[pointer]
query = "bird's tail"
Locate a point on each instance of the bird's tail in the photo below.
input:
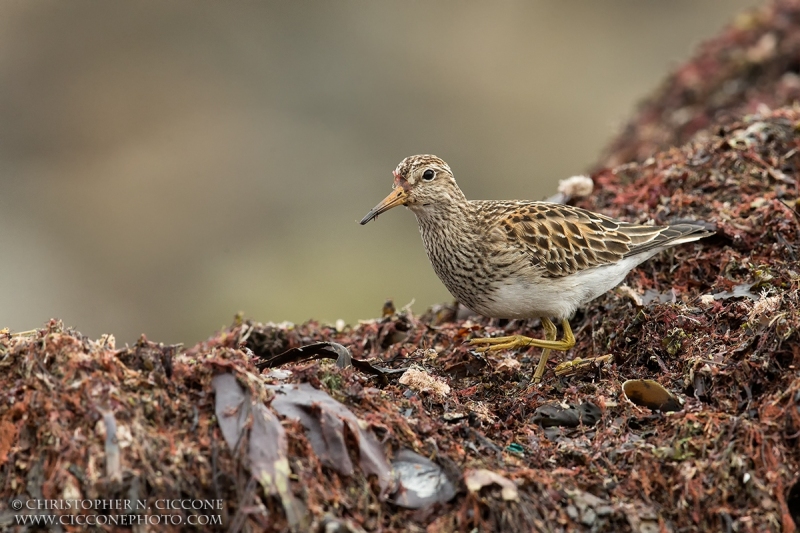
(681, 233)
(654, 238)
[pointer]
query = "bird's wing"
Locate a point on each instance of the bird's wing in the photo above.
(563, 240)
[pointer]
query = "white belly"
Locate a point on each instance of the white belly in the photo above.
(558, 297)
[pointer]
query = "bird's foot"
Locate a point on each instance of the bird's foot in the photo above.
(521, 341)
(497, 344)
(518, 341)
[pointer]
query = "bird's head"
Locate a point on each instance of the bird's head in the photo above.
(421, 183)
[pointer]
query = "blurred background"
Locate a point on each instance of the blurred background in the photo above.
(164, 165)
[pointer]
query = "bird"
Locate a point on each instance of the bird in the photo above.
(519, 259)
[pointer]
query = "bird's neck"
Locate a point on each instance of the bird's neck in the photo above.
(443, 224)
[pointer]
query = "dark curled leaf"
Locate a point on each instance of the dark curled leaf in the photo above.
(325, 350)
(421, 481)
(229, 408)
(325, 420)
(317, 350)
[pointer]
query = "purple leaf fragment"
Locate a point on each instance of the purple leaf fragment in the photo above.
(229, 408)
(268, 446)
(325, 420)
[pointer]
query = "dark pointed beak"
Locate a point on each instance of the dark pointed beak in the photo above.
(397, 197)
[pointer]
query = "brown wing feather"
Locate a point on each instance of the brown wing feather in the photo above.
(562, 239)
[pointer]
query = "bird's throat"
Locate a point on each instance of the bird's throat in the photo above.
(456, 251)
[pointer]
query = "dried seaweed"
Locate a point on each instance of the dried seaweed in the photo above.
(729, 460)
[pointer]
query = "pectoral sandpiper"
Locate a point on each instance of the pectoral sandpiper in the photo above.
(522, 259)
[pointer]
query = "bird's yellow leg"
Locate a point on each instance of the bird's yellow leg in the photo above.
(550, 333)
(520, 341)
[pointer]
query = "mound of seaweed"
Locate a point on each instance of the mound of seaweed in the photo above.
(754, 64)
(394, 424)
(406, 429)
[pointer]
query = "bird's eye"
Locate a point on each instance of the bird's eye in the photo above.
(428, 175)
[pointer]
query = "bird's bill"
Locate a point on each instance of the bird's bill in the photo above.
(397, 197)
